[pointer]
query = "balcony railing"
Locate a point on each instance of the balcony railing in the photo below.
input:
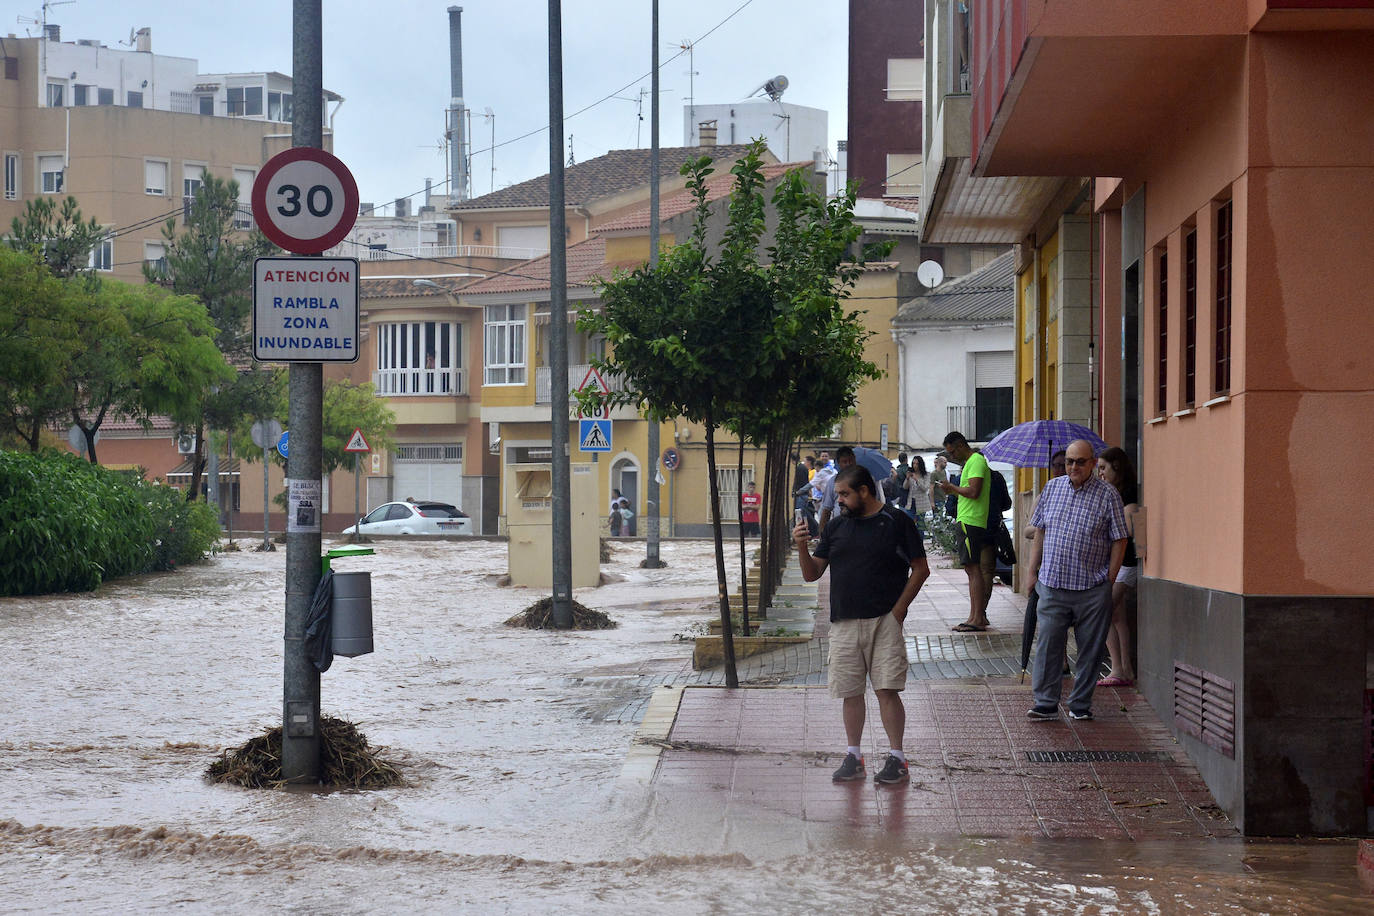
(543, 386)
(964, 419)
(407, 382)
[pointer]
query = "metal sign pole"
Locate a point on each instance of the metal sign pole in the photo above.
(300, 757)
(266, 504)
(651, 552)
(357, 483)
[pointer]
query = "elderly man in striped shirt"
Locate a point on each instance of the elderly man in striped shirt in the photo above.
(1079, 543)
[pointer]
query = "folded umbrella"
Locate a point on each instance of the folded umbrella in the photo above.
(1030, 444)
(1028, 631)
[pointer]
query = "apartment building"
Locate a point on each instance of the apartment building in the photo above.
(131, 135)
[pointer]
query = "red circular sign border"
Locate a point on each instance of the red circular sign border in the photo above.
(290, 242)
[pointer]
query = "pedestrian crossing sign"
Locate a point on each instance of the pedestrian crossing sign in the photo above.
(594, 435)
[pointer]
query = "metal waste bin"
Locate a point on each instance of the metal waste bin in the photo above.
(351, 633)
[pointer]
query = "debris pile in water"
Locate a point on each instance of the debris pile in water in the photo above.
(539, 616)
(346, 760)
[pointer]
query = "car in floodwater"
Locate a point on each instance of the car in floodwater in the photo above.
(414, 518)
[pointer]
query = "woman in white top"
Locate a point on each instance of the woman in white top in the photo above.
(918, 492)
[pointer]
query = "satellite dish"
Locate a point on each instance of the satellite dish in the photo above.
(930, 274)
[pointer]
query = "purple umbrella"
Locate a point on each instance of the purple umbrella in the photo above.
(1030, 444)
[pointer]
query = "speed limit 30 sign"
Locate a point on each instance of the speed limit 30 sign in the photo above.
(305, 200)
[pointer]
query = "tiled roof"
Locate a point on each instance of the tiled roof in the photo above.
(617, 171)
(404, 287)
(128, 424)
(987, 294)
(585, 261)
(717, 186)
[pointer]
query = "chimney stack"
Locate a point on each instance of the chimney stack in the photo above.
(52, 31)
(457, 114)
(143, 40)
(706, 133)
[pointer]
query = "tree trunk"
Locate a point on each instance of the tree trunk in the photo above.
(726, 630)
(197, 463)
(743, 554)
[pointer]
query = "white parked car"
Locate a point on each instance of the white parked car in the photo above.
(414, 518)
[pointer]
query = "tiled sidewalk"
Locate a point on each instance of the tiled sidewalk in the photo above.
(967, 741)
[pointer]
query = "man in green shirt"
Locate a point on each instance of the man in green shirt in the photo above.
(977, 548)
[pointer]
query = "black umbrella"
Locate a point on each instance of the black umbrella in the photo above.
(1028, 631)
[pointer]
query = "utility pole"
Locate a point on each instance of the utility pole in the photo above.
(651, 554)
(300, 752)
(558, 332)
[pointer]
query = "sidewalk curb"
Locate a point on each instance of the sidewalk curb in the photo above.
(641, 761)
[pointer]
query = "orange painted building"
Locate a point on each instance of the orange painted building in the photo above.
(1232, 321)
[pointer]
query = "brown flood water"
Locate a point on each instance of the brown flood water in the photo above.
(116, 701)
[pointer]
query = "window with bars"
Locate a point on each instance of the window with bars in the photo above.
(419, 357)
(243, 216)
(450, 453)
(1222, 362)
(1190, 318)
(505, 345)
(1162, 335)
(728, 481)
(11, 176)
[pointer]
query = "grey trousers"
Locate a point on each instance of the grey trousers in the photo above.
(1089, 612)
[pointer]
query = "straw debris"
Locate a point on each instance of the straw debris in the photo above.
(539, 616)
(346, 761)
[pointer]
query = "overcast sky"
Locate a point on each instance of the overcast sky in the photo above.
(389, 60)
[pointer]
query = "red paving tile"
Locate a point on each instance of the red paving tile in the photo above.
(966, 744)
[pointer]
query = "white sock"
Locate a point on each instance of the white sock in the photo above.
(856, 752)
(898, 754)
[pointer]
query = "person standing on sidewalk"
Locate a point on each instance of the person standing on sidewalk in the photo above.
(977, 548)
(1079, 543)
(750, 501)
(877, 565)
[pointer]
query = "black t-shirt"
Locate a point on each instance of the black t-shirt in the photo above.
(870, 560)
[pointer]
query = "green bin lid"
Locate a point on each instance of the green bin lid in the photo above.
(351, 550)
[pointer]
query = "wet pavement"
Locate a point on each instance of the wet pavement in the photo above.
(544, 771)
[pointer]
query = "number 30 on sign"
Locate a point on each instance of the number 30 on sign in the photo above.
(305, 200)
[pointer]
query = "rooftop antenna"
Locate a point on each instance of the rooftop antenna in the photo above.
(691, 48)
(491, 119)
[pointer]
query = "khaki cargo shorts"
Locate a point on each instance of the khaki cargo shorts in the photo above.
(870, 649)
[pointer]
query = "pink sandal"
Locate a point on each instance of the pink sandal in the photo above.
(1116, 682)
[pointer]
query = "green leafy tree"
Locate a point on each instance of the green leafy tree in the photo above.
(60, 237)
(345, 407)
(732, 340)
(212, 261)
(141, 351)
(39, 316)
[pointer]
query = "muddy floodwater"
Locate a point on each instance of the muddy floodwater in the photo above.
(512, 742)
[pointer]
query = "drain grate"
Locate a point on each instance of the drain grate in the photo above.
(1098, 756)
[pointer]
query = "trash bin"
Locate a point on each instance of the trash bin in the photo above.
(351, 633)
(351, 611)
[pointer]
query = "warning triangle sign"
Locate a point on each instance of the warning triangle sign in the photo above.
(356, 442)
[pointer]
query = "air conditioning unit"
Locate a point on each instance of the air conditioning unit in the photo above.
(186, 443)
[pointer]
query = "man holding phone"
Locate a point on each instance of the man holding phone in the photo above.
(878, 565)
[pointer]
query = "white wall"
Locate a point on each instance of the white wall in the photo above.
(937, 372)
(741, 122)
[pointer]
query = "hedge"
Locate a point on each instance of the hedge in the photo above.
(67, 525)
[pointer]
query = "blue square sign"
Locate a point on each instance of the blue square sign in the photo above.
(594, 435)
